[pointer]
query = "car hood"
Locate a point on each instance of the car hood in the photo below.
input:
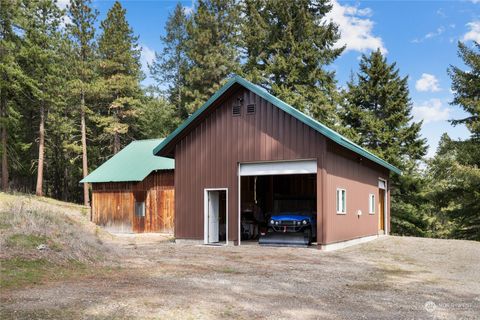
(292, 216)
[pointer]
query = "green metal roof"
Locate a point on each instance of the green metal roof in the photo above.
(329, 133)
(133, 163)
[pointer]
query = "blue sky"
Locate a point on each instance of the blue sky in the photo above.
(420, 36)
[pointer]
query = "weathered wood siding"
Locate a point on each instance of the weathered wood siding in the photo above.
(113, 204)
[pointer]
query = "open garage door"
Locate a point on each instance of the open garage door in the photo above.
(278, 168)
(278, 202)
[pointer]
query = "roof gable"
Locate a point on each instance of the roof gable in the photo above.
(314, 124)
(133, 163)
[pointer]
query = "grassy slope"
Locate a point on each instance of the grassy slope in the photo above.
(74, 247)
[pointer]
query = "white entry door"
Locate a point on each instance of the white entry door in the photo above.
(213, 216)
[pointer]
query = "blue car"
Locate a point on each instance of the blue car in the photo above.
(294, 222)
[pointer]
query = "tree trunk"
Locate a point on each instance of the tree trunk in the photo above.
(3, 114)
(116, 142)
(86, 196)
(41, 151)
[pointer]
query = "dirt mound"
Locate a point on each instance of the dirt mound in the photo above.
(40, 238)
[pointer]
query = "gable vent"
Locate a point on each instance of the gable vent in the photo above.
(236, 110)
(251, 109)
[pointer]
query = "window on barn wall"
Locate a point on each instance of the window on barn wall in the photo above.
(341, 201)
(371, 203)
(140, 203)
(140, 209)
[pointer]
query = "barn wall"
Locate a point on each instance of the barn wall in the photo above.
(208, 156)
(345, 171)
(113, 204)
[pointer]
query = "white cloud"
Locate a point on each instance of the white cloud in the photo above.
(189, 9)
(475, 1)
(435, 33)
(147, 56)
(474, 33)
(427, 83)
(430, 111)
(430, 35)
(355, 28)
(62, 4)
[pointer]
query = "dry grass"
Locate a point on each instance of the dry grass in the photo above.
(28, 222)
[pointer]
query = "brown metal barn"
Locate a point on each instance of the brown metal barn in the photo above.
(134, 190)
(246, 156)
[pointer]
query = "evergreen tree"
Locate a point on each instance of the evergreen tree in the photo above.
(287, 46)
(466, 87)
(120, 70)
(454, 179)
(40, 61)
(156, 117)
(170, 66)
(377, 111)
(455, 170)
(11, 79)
(211, 49)
(82, 33)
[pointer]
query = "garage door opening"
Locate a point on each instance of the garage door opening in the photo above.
(216, 216)
(280, 206)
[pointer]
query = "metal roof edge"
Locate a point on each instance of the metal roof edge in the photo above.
(321, 128)
(86, 180)
(107, 163)
(199, 111)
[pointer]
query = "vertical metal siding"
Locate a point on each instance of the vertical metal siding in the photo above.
(208, 156)
(359, 179)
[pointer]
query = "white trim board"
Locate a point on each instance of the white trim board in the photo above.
(347, 243)
(278, 168)
(205, 214)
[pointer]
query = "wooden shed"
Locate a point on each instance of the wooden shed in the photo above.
(134, 190)
(245, 148)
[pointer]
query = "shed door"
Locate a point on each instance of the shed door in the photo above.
(278, 168)
(213, 216)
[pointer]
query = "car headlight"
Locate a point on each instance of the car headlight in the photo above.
(304, 221)
(272, 221)
(276, 222)
(298, 222)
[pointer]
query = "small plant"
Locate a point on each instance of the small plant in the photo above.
(26, 241)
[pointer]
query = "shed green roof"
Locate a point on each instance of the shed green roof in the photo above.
(319, 127)
(133, 163)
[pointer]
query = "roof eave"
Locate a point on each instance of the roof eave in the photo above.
(319, 127)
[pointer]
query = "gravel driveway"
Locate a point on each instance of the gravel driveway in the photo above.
(392, 277)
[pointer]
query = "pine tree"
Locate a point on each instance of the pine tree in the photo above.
(170, 66)
(40, 61)
(466, 87)
(455, 169)
(11, 78)
(287, 45)
(157, 117)
(211, 49)
(454, 180)
(82, 32)
(377, 111)
(121, 75)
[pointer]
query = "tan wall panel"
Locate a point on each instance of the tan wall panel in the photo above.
(359, 181)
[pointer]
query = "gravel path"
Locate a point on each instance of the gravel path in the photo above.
(392, 277)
